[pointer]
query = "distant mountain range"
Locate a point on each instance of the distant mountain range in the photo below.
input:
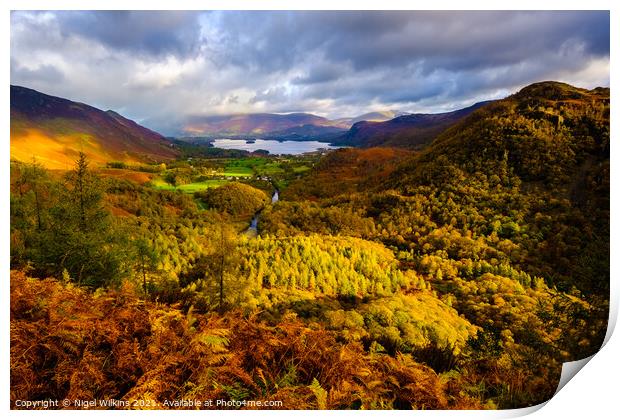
(412, 131)
(54, 130)
(381, 128)
(293, 126)
(252, 125)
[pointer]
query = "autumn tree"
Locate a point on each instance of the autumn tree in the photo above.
(214, 280)
(146, 258)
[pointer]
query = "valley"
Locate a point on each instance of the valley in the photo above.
(309, 209)
(448, 265)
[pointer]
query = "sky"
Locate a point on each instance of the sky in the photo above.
(161, 68)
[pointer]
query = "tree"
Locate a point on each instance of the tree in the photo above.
(29, 207)
(171, 178)
(32, 182)
(77, 233)
(84, 192)
(223, 258)
(220, 285)
(146, 259)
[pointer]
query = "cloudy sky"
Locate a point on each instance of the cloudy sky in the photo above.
(161, 67)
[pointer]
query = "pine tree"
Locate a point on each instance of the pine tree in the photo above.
(82, 237)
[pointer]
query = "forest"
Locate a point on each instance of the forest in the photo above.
(459, 276)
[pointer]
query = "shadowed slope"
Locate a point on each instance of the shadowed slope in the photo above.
(412, 131)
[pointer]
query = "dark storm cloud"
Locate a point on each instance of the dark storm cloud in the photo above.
(450, 40)
(323, 72)
(162, 66)
(474, 52)
(148, 32)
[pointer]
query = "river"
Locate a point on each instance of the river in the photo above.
(253, 228)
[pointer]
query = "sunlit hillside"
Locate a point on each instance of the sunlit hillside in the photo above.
(459, 276)
(55, 130)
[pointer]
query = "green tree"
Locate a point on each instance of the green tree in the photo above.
(29, 206)
(84, 193)
(81, 236)
(32, 183)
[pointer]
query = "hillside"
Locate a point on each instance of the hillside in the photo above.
(412, 131)
(252, 124)
(293, 126)
(506, 210)
(537, 163)
(529, 167)
(347, 170)
(459, 276)
(543, 133)
(54, 130)
(235, 198)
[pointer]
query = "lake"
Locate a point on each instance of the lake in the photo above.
(273, 146)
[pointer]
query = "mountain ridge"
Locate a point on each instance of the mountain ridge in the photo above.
(54, 130)
(275, 125)
(253, 124)
(410, 131)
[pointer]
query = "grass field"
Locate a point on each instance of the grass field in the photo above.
(239, 167)
(271, 168)
(238, 171)
(188, 188)
(245, 169)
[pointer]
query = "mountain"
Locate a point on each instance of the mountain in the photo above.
(54, 130)
(307, 132)
(412, 131)
(252, 124)
(505, 213)
(294, 126)
(544, 150)
(548, 132)
(549, 140)
(376, 116)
